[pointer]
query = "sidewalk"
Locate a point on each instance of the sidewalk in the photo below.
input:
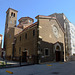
(10, 64)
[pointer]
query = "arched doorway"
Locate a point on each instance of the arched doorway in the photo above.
(57, 52)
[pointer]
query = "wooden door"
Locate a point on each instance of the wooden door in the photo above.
(57, 56)
(24, 56)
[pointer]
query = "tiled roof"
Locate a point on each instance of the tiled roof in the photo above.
(42, 16)
(20, 26)
(26, 18)
(30, 26)
(11, 9)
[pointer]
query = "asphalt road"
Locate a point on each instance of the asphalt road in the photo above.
(67, 68)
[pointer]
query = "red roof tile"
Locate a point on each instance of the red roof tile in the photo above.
(26, 18)
(32, 25)
(11, 9)
(42, 16)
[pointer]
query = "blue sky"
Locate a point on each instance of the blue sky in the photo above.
(32, 8)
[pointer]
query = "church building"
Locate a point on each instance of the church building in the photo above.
(42, 41)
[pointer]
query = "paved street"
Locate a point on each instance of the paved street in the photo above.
(43, 69)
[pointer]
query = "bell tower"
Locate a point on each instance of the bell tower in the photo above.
(11, 19)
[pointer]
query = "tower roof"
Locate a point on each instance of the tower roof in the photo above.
(11, 9)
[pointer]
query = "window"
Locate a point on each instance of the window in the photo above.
(15, 50)
(46, 51)
(25, 49)
(33, 32)
(14, 14)
(19, 50)
(25, 35)
(20, 38)
(29, 20)
(22, 20)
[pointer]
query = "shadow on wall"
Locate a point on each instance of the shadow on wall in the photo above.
(50, 55)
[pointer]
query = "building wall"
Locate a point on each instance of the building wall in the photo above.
(10, 40)
(9, 43)
(47, 31)
(71, 38)
(17, 30)
(47, 38)
(29, 44)
(0, 41)
(0, 44)
(60, 17)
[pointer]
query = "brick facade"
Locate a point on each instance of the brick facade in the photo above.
(35, 42)
(47, 38)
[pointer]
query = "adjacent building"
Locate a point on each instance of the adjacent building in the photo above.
(69, 34)
(71, 38)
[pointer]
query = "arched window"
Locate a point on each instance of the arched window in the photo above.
(25, 35)
(20, 38)
(33, 32)
(19, 50)
(57, 47)
(12, 14)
